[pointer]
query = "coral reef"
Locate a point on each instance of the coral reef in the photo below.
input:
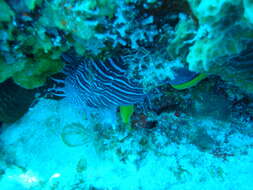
(192, 61)
(27, 53)
(6, 13)
(154, 35)
(224, 30)
(35, 34)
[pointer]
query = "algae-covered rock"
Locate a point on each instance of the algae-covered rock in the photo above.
(32, 45)
(31, 4)
(30, 71)
(204, 53)
(8, 70)
(224, 28)
(6, 13)
(29, 54)
(34, 74)
(184, 33)
(78, 18)
(223, 31)
(215, 11)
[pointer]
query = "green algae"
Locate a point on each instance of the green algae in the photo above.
(77, 18)
(31, 4)
(37, 51)
(29, 55)
(31, 71)
(35, 74)
(6, 13)
(184, 31)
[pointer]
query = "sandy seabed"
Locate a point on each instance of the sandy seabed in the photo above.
(54, 147)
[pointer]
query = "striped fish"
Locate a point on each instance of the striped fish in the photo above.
(100, 84)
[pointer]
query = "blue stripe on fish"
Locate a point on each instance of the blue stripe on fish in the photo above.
(101, 84)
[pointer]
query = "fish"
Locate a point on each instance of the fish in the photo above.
(99, 84)
(184, 78)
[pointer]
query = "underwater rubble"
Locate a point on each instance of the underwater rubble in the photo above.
(126, 94)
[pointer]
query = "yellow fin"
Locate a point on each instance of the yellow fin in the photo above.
(126, 112)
